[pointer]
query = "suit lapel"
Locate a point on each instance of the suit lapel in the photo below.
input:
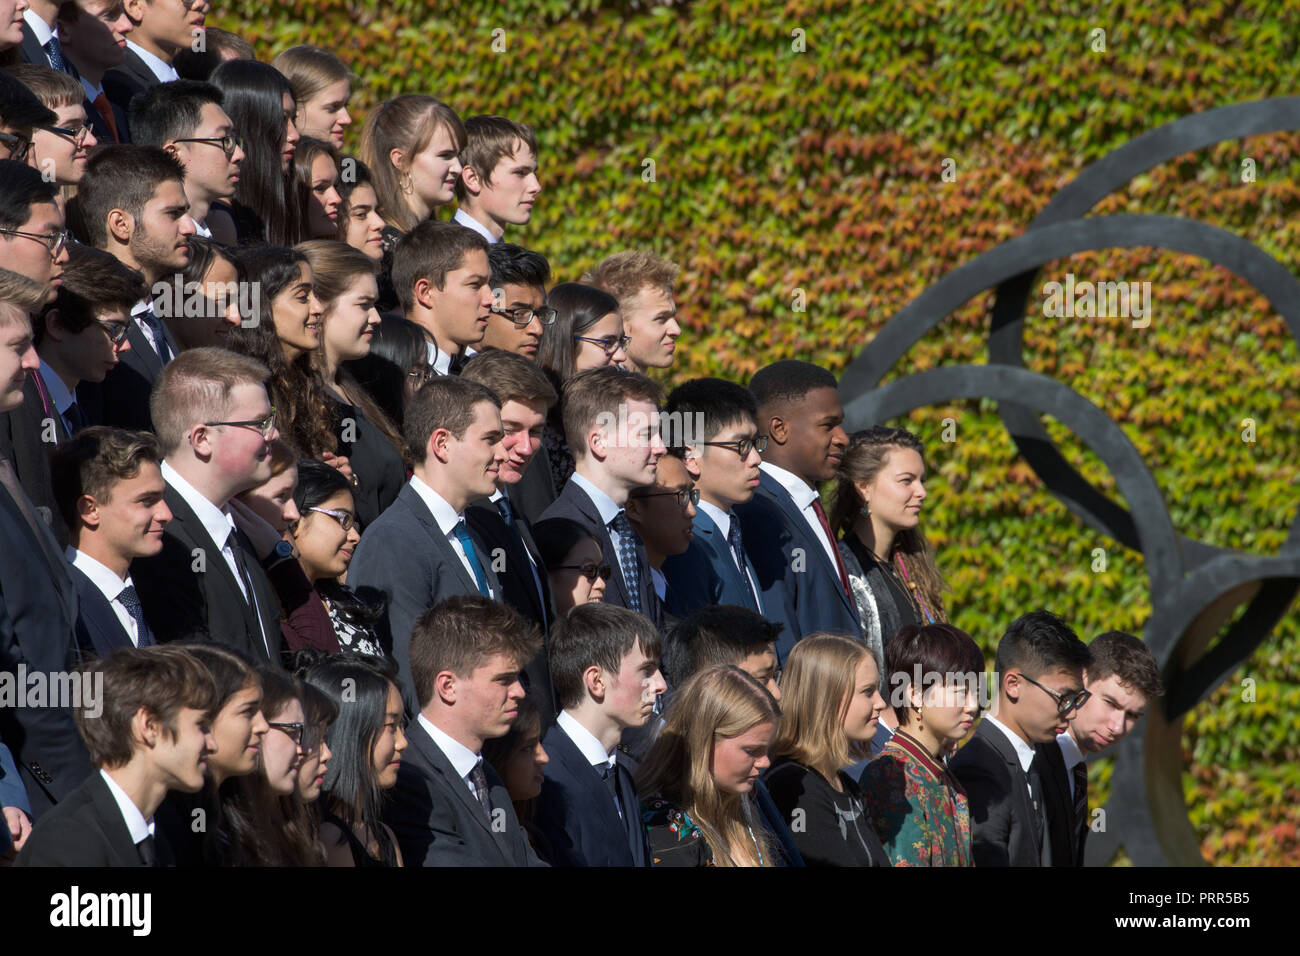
(587, 777)
(141, 358)
(1019, 782)
(454, 781)
(189, 529)
(113, 824)
(800, 529)
(442, 546)
(582, 501)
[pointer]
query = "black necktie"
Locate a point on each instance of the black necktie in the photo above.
(1080, 772)
(508, 516)
(150, 318)
(1040, 812)
(75, 418)
(232, 542)
(609, 773)
(146, 850)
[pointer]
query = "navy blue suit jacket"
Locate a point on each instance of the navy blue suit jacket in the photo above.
(98, 629)
(577, 815)
(801, 586)
(706, 574)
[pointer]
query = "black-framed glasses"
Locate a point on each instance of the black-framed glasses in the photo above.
(75, 133)
(117, 331)
(521, 317)
(18, 147)
(610, 343)
(53, 241)
(682, 496)
(1064, 702)
(588, 571)
(741, 446)
(292, 731)
(346, 519)
(228, 143)
(265, 425)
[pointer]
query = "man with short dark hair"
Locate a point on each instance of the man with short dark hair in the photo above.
(154, 735)
(449, 807)
(32, 238)
(643, 283)
(498, 180)
(723, 634)
(1039, 668)
(420, 550)
(162, 29)
(605, 664)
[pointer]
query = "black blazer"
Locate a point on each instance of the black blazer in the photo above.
(86, 829)
(181, 603)
(38, 614)
(535, 491)
(1066, 850)
(577, 816)
(1003, 828)
(405, 561)
(576, 505)
(103, 134)
(122, 399)
(98, 629)
(438, 822)
(22, 440)
(132, 77)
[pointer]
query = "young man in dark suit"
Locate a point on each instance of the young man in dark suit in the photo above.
(1039, 668)
(498, 181)
(40, 42)
(801, 576)
(605, 663)
(153, 735)
(38, 604)
(93, 36)
(526, 396)
(134, 204)
(420, 550)
(1122, 677)
(611, 423)
(163, 28)
(721, 449)
(449, 807)
(215, 424)
(109, 487)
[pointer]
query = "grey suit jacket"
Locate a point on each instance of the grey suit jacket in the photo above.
(406, 561)
(1003, 829)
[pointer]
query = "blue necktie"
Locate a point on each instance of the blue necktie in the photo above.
(628, 559)
(150, 318)
(738, 552)
(462, 535)
(131, 601)
(55, 52)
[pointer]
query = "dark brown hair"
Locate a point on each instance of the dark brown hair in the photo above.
(94, 282)
(95, 459)
(511, 377)
(445, 402)
(1128, 659)
(430, 251)
(461, 633)
(600, 391)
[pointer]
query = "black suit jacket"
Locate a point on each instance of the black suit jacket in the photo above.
(576, 505)
(23, 434)
(577, 815)
(122, 399)
(38, 613)
(405, 561)
(189, 593)
(1066, 851)
(535, 491)
(438, 822)
(132, 77)
(104, 135)
(1003, 828)
(85, 829)
(99, 631)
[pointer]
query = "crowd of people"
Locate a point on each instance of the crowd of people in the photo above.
(374, 545)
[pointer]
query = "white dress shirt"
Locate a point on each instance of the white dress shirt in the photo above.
(60, 394)
(462, 218)
(462, 759)
(440, 360)
(146, 305)
(40, 29)
(537, 581)
(608, 512)
(160, 68)
(110, 585)
(446, 517)
(1073, 756)
(586, 741)
(139, 827)
(804, 495)
(1024, 752)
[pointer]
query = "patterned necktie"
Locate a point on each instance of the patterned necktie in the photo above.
(150, 318)
(627, 559)
(480, 579)
(131, 601)
(55, 52)
(1080, 772)
(738, 552)
(839, 562)
(105, 109)
(479, 779)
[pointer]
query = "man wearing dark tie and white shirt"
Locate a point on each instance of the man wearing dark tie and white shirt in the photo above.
(163, 28)
(41, 38)
(93, 38)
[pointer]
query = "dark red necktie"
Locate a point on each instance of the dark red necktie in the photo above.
(839, 562)
(105, 109)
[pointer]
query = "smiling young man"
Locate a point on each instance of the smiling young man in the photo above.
(449, 807)
(498, 179)
(1039, 668)
(32, 240)
(443, 281)
(519, 312)
(154, 734)
(643, 284)
(611, 423)
(420, 550)
(60, 148)
(800, 574)
(163, 28)
(605, 662)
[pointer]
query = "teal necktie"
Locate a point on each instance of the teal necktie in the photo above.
(462, 535)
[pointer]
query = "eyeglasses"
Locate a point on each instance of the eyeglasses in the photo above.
(741, 446)
(117, 331)
(521, 317)
(588, 571)
(682, 496)
(18, 146)
(1064, 702)
(54, 241)
(346, 519)
(228, 143)
(265, 425)
(610, 343)
(292, 731)
(420, 374)
(75, 133)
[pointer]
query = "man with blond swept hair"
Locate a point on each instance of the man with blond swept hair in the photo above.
(643, 283)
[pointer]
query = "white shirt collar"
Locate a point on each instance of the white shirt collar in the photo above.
(217, 522)
(603, 502)
(201, 230)
(1023, 750)
(59, 393)
(802, 493)
(462, 759)
(585, 741)
(717, 516)
(440, 360)
(102, 577)
(138, 826)
(1069, 750)
(444, 514)
(39, 27)
(160, 68)
(462, 218)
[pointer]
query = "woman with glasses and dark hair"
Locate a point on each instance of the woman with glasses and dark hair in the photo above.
(366, 744)
(587, 333)
(325, 537)
(578, 572)
(919, 809)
